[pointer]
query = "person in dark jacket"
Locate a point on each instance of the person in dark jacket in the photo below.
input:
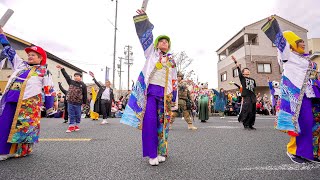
(248, 111)
(105, 98)
(65, 92)
(76, 97)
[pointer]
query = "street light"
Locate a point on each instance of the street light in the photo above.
(115, 44)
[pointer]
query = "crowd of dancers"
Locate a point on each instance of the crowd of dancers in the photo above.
(160, 94)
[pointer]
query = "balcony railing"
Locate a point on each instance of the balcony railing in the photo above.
(236, 49)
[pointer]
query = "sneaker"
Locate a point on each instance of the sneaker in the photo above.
(161, 159)
(252, 128)
(222, 117)
(297, 159)
(7, 156)
(3, 157)
(154, 161)
(76, 128)
(65, 121)
(104, 122)
(246, 128)
(70, 129)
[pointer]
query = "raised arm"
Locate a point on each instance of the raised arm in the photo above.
(144, 31)
(274, 33)
(65, 74)
(216, 92)
(238, 67)
(94, 79)
(9, 53)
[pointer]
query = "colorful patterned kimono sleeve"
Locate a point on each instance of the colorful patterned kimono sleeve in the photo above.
(274, 33)
(49, 93)
(9, 53)
(144, 31)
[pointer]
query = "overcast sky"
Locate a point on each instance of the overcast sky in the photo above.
(81, 32)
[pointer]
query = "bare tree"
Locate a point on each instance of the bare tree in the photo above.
(182, 60)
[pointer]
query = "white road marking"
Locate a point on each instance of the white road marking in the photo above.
(286, 167)
(64, 139)
(220, 127)
(258, 117)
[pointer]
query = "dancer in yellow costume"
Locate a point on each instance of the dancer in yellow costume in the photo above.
(93, 115)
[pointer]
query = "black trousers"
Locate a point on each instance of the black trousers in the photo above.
(66, 114)
(105, 108)
(248, 112)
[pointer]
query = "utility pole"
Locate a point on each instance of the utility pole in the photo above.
(128, 52)
(115, 44)
(119, 72)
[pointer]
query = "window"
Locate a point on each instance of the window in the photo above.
(224, 76)
(264, 68)
(235, 72)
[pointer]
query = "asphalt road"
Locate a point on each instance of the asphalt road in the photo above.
(219, 149)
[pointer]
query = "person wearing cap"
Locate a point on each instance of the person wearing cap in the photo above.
(76, 97)
(20, 107)
(184, 103)
(154, 94)
(299, 95)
